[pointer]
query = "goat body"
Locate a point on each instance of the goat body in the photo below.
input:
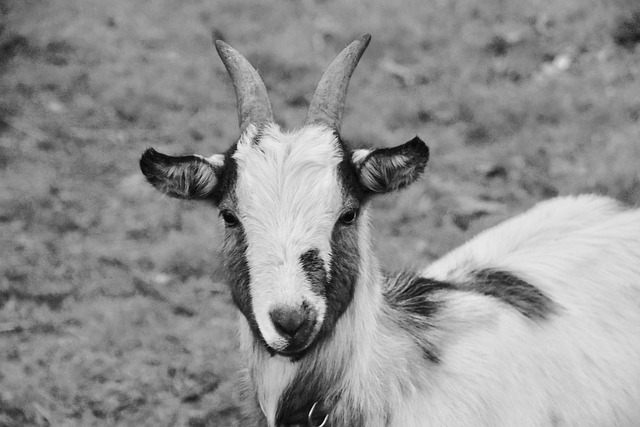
(532, 323)
(489, 364)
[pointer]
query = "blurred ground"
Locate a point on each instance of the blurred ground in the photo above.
(112, 310)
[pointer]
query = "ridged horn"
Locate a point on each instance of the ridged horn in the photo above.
(328, 100)
(251, 94)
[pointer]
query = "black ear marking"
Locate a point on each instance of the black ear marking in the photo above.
(183, 177)
(388, 169)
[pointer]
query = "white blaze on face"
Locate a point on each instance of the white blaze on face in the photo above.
(288, 200)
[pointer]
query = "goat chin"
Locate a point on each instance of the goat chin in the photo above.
(576, 364)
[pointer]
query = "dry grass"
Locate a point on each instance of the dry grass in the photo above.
(111, 306)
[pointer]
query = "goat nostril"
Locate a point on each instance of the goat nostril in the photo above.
(288, 320)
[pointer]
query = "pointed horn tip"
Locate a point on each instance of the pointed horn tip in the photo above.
(223, 47)
(360, 43)
(364, 38)
(357, 47)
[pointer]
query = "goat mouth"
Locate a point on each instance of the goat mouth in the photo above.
(294, 355)
(294, 351)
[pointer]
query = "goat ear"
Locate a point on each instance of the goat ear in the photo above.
(185, 177)
(388, 169)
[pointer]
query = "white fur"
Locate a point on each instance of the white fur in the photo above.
(288, 199)
(264, 381)
(359, 155)
(580, 367)
(216, 160)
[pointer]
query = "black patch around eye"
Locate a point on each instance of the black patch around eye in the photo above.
(348, 175)
(239, 279)
(229, 218)
(227, 176)
(349, 217)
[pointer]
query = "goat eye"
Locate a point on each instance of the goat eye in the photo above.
(230, 220)
(348, 217)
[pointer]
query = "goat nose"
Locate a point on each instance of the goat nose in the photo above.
(289, 320)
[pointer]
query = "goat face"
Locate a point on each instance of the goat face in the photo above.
(291, 209)
(291, 204)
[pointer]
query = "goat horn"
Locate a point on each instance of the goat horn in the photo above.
(251, 94)
(328, 100)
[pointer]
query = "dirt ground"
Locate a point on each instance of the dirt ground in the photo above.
(112, 306)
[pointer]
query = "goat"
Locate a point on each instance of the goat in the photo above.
(535, 322)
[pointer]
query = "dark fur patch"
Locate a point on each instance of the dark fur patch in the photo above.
(315, 383)
(183, 177)
(411, 294)
(239, 278)
(348, 174)
(235, 262)
(227, 177)
(313, 267)
(413, 300)
(389, 169)
(339, 290)
(524, 297)
(310, 386)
